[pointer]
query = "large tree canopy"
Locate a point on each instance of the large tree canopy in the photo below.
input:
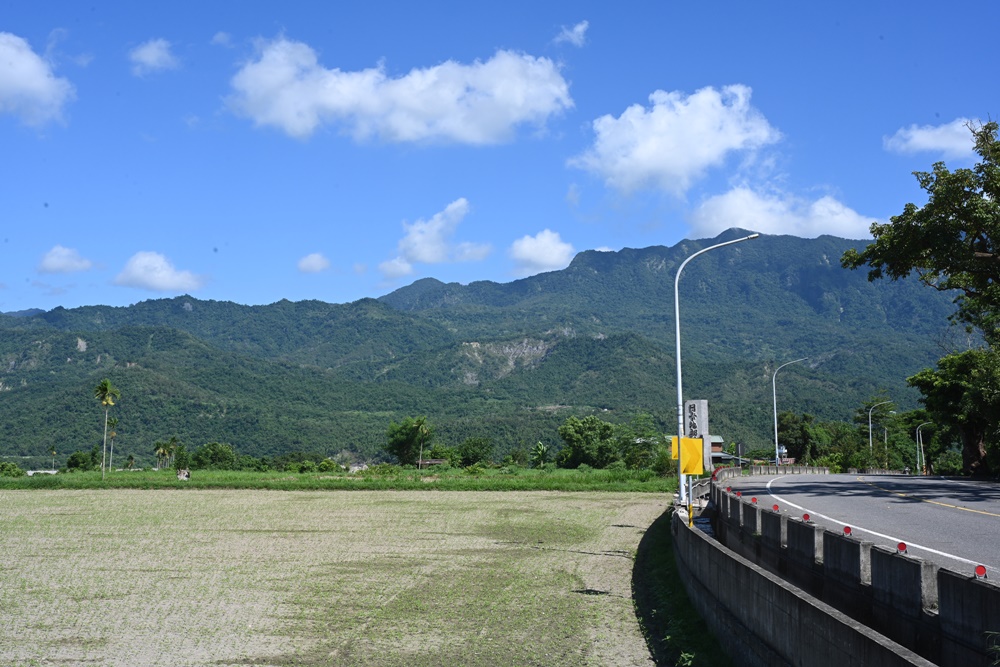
(964, 392)
(951, 242)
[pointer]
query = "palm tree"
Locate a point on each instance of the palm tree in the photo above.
(53, 458)
(106, 393)
(160, 451)
(423, 430)
(171, 447)
(112, 424)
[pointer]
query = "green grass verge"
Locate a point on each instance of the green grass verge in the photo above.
(401, 479)
(675, 633)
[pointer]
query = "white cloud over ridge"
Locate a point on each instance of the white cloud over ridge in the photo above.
(152, 56)
(952, 140)
(28, 87)
(152, 271)
(670, 144)
(429, 242)
(777, 214)
(480, 103)
(313, 263)
(577, 35)
(63, 260)
(545, 251)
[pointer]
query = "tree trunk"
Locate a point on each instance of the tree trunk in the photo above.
(974, 452)
(104, 453)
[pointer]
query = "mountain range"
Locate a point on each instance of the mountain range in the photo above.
(508, 361)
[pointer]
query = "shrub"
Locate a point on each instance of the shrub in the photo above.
(475, 469)
(328, 465)
(8, 469)
(663, 464)
(307, 466)
(948, 463)
(475, 450)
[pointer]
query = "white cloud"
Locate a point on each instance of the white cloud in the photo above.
(577, 35)
(313, 263)
(481, 103)
(544, 251)
(778, 214)
(152, 271)
(397, 267)
(222, 39)
(953, 140)
(152, 56)
(28, 87)
(673, 142)
(63, 260)
(429, 242)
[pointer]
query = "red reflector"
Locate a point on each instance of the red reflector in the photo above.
(753, 500)
(728, 489)
(775, 508)
(847, 530)
(980, 571)
(805, 517)
(901, 547)
(739, 494)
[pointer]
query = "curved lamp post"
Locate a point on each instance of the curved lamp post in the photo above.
(870, 448)
(774, 395)
(920, 449)
(677, 336)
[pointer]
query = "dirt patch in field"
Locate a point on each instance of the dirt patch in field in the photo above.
(348, 578)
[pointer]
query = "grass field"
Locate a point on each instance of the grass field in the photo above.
(234, 577)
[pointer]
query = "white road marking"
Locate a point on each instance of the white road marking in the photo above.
(865, 530)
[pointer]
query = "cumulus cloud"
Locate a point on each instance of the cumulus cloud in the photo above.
(430, 242)
(545, 251)
(152, 56)
(28, 87)
(152, 271)
(63, 260)
(313, 263)
(778, 214)
(577, 35)
(480, 103)
(671, 144)
(222, 39)
(952, 140)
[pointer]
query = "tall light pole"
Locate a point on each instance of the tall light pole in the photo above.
(677, 337)
(920, 448)
(774, 394)
(870, 448)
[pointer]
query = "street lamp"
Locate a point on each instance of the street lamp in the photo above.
(920, 448)
(677, 336)
(870, 449)
(774, 394)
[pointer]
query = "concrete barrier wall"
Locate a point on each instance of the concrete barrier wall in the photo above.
(947, 617)
(763, 621)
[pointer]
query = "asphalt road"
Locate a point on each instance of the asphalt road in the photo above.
(954, 523)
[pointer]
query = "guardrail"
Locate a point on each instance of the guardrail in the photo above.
(949, 618)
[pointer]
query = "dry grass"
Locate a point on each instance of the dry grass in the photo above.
(320, 578)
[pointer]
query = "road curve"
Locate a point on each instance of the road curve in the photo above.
(953, 523)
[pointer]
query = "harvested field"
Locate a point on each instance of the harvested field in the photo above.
(123, 577)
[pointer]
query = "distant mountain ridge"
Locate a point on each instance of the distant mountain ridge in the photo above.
(503, 360)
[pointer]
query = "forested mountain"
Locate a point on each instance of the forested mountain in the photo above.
(507, 361)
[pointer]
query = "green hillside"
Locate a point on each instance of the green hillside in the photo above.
(507, 361)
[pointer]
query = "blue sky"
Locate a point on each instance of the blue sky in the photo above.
(252, 152)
